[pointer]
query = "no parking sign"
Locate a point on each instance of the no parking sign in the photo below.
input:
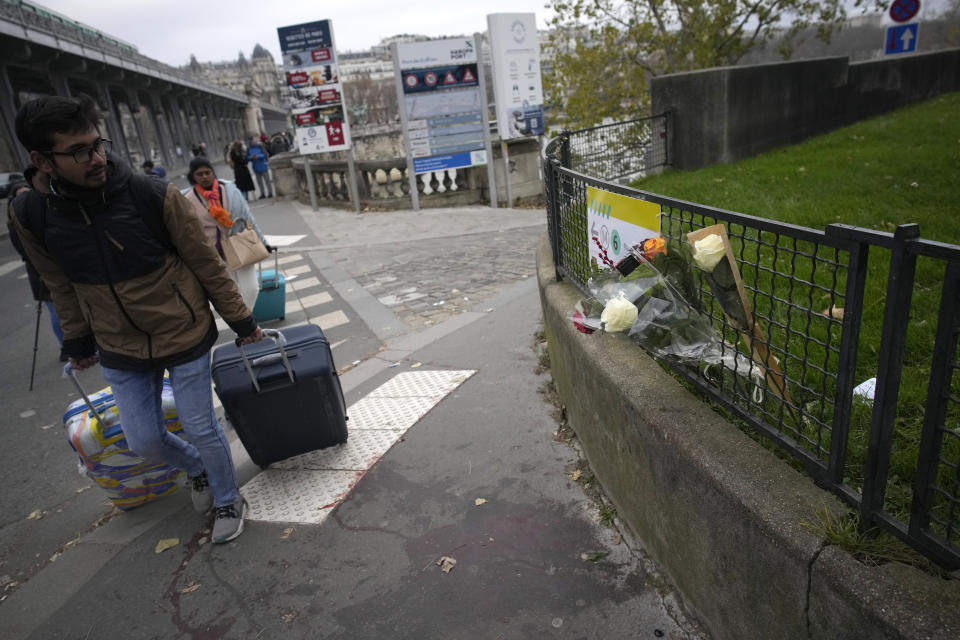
(904, 10)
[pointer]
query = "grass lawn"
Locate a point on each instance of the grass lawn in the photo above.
(898, 168)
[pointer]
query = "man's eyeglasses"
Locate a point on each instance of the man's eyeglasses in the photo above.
(83, 155)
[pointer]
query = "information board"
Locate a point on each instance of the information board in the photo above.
(515, 52)
(441, 102)
(615, 223)
(313, 90)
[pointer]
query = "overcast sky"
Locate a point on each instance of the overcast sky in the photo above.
(215, 30)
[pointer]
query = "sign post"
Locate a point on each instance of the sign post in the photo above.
(485, 112)
(411, 176)
(315, 95)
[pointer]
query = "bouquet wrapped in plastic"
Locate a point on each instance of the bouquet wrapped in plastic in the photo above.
(714, 257)
(650, 296)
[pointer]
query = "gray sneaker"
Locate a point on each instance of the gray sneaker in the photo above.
(228, 521)
(200, 493)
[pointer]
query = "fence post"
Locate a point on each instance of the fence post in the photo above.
(555, 218)
(847, 364)
(565, 149)
(938, 397)
(893, 339)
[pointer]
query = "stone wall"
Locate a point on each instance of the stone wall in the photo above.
(724, 114)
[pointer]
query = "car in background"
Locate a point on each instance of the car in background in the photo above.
(6, 179)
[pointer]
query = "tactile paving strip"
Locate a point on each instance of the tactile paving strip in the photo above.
(304, 489)
(388, 413)
(297, 495)
(421, 383)
(361, 450)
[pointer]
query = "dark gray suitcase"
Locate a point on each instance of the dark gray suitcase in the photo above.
(282, 395)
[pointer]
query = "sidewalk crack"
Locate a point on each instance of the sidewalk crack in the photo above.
(806, 605)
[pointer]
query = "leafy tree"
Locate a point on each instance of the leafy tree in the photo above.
(606, 51)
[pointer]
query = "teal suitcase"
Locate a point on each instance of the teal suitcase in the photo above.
(272, 300)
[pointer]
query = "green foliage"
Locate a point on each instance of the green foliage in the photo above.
(871, 546)
(608, 514)
(606, 51)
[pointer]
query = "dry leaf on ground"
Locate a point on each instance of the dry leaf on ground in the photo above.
(576, 475)
(35, 515)
(480, 501)
(446, 564)
(286, 533)
(166, 543)
(190, 588)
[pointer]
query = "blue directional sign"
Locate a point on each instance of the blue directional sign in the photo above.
(901, 39)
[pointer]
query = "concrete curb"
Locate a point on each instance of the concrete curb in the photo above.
(723, 515)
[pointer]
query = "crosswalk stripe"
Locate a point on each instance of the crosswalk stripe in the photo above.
(294, 257)
(331, 320)
(294, 305)
(306, 283)
(7, 267)
(316, 299)
(304, 268)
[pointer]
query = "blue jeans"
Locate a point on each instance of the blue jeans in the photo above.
(138, 397)
(54, 322)
(263, 180)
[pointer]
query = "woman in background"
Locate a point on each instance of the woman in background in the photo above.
(241, 174)
(222, 209)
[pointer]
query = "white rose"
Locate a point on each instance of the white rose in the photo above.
(707, 252)
(619, 314)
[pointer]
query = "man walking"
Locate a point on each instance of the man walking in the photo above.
(151, 169)
(132, 276)
(261, 167)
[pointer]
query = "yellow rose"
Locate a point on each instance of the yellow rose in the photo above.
(619, 314)
(708, 251)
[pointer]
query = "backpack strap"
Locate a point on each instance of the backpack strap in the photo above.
(31, 209)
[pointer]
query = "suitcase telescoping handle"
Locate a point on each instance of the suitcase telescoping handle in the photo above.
(68, 373)
(267, 359)
(276, 267)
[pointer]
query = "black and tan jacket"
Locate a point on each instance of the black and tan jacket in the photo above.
(130, 271)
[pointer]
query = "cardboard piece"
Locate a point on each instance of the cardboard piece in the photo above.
(751, 332)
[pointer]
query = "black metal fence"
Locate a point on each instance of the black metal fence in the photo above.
(617, 150)
(808, 290)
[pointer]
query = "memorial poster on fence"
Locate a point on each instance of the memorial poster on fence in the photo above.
(515, 52)
(615, 223)
(313, 90)
(441, 102)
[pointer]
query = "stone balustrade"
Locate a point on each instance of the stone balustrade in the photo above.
(385, 184)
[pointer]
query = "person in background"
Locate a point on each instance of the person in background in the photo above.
(222, 209)
(237, 158)
(261, 167)
(133, 279)
(151, 170)
(40, 291)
